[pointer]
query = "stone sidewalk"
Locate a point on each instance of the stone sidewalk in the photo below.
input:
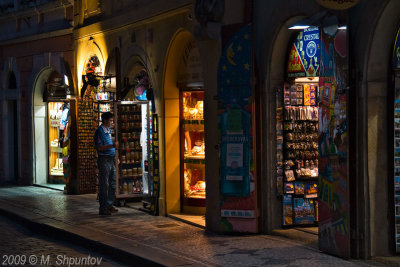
(138, 239)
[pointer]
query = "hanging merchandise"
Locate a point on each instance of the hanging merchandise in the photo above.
(87, 124)
(298, 132)
(141, 85)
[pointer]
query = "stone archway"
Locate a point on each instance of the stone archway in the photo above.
(171, 118)
(40, 126)
(376, 123)
(275, 77)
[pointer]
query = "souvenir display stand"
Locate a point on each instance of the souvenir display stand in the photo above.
(297, 166)
(87, 125)
(132, 133)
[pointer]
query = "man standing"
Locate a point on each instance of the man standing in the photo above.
(105, 163)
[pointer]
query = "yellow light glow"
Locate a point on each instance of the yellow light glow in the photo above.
(87, 48)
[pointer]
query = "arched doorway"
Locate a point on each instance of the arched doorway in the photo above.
(49, 104)
(310, 153)
(183, 93)
(378, 124)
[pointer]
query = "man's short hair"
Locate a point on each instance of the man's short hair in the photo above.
(106, 116)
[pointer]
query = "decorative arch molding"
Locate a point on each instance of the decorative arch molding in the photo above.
(134, 58)
(86, 49)
(136, 55)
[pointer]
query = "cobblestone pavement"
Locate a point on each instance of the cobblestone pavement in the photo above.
(19, 246)
(157, 237)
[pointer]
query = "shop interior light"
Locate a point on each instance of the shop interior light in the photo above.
(305, 23)
(66, 80)
(195, 84)
(307, 80)
(342, 28)
(299, 27)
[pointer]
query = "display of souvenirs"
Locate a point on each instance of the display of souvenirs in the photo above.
(303, 211)
(289, 188)
(193, 108)
(304, 113)
(313, 95)
(299, 188)
(293, 95)
(87, 124)
(297, 158)
(55, 135)
(307, 95)
(286, 95)
(192, 122)
(287, 210)
(130, 149)
(311, 190)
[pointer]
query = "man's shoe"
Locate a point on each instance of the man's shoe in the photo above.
(112, 209)
(105, 212)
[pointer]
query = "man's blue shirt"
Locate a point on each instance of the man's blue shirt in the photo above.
(102, 137)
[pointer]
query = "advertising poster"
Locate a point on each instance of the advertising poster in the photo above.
(234, 162)
(333, 139)
(237, 183)
(304, 56)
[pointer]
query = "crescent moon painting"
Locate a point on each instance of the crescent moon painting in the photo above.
(230, 54)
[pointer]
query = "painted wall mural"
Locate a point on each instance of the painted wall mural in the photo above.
(237, 183)
(334, 206)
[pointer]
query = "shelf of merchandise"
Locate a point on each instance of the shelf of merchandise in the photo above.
(128, 121)
(192, 164)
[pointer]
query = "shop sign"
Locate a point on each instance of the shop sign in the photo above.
(338, 4)
(234, 92)
(305, 54)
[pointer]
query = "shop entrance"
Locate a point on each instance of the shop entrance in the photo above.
(184, 129)
(312, 139)
(48, 109)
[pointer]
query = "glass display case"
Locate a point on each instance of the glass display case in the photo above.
(56, 174)
(193, 148)
(132, 133)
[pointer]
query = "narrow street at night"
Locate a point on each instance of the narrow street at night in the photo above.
(19, 246)
(135, 235)
(200, 132)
